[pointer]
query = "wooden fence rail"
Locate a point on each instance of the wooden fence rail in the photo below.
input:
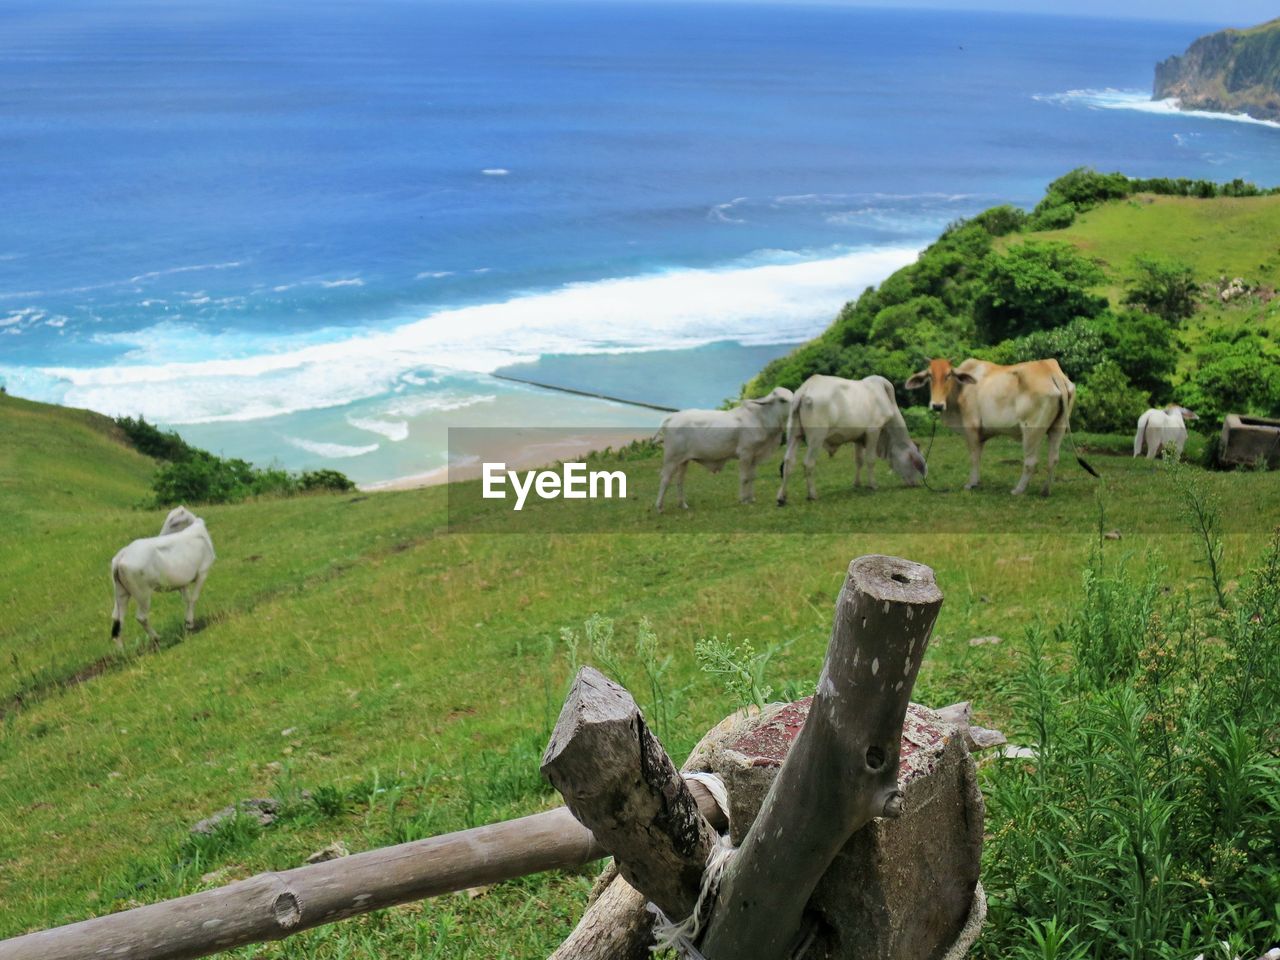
(272, 906)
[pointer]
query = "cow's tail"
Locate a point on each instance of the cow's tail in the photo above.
(795, 428)
(1065, 395)
(121, 601)
(1141, 434)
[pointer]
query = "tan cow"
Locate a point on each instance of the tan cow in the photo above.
(983, 400)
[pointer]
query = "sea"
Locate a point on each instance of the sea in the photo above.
(319, 234)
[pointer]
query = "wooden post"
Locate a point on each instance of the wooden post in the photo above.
(843, 768)
(620, 783)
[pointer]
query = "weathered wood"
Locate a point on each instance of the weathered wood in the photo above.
(842, 770)
(620, 783)
(615, 926)
(272, 906)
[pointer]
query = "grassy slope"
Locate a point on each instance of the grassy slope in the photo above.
(1224, 237)
(352, 646)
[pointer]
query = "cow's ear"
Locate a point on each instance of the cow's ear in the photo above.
(916, 380)
(963, 377)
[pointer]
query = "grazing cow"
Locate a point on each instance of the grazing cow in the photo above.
(828, 412)
(748, 433)
(178, 559)
(1158, 429)
(983, 400)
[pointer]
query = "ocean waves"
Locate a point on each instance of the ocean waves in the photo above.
(1111, 99)
(773, 297)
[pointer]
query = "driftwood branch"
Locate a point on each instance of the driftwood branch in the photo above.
(617, 780)
(842, 770)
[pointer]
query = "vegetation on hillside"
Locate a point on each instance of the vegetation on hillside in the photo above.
(194, 476)
(1008, 286)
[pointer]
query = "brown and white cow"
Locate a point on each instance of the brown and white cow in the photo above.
(983, 400)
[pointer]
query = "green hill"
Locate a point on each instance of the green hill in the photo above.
(1147, 291)
(1231, 71)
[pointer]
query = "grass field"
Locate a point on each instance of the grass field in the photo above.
(388, 675)
(1225, 237)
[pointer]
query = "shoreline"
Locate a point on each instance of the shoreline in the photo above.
(553, 446)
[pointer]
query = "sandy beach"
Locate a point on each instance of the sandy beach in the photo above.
(526, 449)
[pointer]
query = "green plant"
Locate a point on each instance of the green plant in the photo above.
(1033, 286)
(739, 667)
(1164, 287)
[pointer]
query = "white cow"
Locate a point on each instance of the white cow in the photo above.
(178, 559)
(828, 412)
(748, 433)
(1158, 429)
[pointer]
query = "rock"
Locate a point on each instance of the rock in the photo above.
(332, 852)
(901, 888)
(1014, 752)
(261, 809)
(985, 641)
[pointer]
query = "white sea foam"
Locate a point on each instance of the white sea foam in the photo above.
(393, 430)
(444, 402)
(434, 274)
(249, 376)
(334, 451)
(495, 171)
(351, 282)
(1112, 99)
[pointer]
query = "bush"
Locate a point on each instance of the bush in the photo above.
(1077, 346)
(1143, 346)
(1164, 287)
(1236, 374)
(1147, 824)
(1034, 286)
(1106, 402)
(1057, 217)
(150, 440)
(191, 475)
(315, 480)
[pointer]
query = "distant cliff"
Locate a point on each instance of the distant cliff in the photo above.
(1232, 71)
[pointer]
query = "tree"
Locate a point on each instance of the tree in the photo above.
(1035, 286)
(1164, 287)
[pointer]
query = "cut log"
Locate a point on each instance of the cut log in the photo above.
(616, 925)
(620, 783)
(843, 767)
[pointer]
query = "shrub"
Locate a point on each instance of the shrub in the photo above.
(1233, 374)
(1143, 345)
(1057, 217)
(150, 440)
(1077, 346)
(312, 480)
(1106, 402)
(1034, 286)
(1164, 287)
(1146, 826)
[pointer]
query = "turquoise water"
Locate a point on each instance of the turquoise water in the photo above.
(309, 232)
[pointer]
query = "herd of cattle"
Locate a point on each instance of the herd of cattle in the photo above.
(980, 399)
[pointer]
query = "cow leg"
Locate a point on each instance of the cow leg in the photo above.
(191, 593)
(788, 462)
(1153, 449)
(857, 458)
(143, 600)
(1056, 434)
(871, 441)
(1031, 437)
(815, 439)
(746, 479)
(680, 472)
(973, 438)
(668, 471)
